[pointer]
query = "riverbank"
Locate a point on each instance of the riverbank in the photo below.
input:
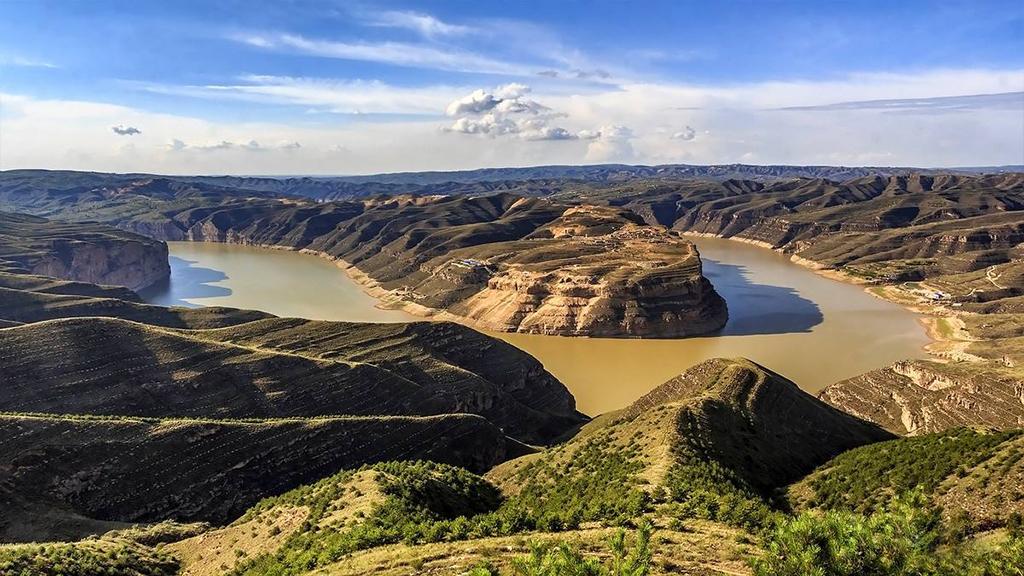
(945, 344)
(776, 309)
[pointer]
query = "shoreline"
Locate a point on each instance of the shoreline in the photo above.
(387, 299)
(390, 300)
(941, 348)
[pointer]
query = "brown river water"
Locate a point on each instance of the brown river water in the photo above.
(811, 329)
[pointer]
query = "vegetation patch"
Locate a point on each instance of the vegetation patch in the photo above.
(865, 478)
(85, 558)
(903, 539)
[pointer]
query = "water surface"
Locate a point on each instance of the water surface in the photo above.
(812, 330)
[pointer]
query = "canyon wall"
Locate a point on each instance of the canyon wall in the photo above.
(92, 253)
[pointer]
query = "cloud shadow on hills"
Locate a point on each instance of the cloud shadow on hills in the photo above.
(759, 308)
(186, 282)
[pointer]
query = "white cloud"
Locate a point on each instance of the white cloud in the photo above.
(25, 62)
(395, 53)
(610, 144)
(177, 145)
(424, 24)
(329, 95)
(505, 111)
(736, 123)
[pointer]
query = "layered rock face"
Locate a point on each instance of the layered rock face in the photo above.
(921, 397)
(91, 253)
(626, 280)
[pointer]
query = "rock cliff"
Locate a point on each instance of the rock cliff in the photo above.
(90, 253)
(920, 397)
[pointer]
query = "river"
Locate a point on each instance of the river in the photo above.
(811, 329)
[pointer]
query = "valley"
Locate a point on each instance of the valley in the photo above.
(166, 430)
(775, 306)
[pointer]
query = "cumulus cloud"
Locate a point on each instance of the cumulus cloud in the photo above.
(125, 130)
(687, 134)
(610, 144)
(507, 111)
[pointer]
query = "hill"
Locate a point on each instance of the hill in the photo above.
(469, 181)
(947, 245)
(117, 412)
(669, 457)
(976, 477)
(70, 476)
(279, 368)
(501, 262)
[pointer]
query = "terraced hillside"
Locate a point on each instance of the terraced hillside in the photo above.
(279, 368)
(70, 476)
(114, 411)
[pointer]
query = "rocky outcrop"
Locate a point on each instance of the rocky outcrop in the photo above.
(644, 283)
(920, 397)
(91, 253)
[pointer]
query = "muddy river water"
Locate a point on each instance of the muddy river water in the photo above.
(808, 328)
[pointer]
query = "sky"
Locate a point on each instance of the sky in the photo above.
(352, 87)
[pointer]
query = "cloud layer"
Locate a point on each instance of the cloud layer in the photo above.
(938, 118)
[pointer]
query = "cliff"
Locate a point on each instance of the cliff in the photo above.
(90, 253)
(920, 397)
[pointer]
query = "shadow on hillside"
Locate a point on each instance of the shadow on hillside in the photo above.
(186, 282)
(759, 308)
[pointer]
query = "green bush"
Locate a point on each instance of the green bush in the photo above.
(865, 478)
(546, 559)
(905, 539)
(85, 558)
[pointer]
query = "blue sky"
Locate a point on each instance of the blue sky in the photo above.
(351, 87)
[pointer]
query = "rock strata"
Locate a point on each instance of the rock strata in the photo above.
(90, 253)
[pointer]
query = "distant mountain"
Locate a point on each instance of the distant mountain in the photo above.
(521, 180)
(622, 172)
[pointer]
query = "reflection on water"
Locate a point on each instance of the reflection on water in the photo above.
(759, 308)
(276, 281)
(187, 281)
(811, 329)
